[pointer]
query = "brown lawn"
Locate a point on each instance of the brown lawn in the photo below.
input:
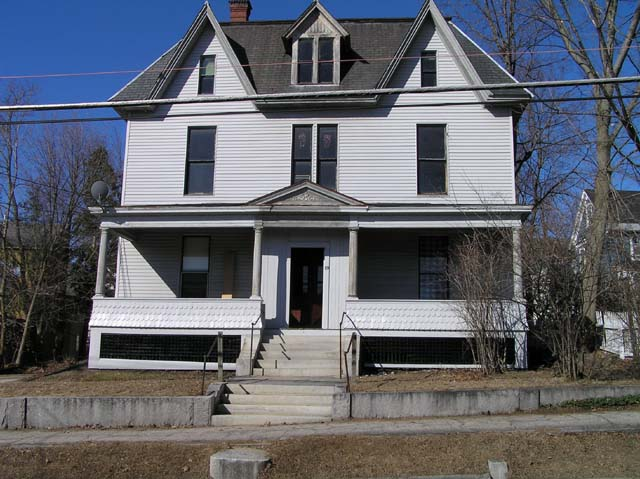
(530, 455)
(452, 379)
(91, 383)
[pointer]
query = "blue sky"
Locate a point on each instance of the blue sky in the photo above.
(69, 36)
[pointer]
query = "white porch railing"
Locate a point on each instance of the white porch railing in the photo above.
(175, 313)
(416, 315)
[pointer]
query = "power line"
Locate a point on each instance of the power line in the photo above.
(286, 63)
(314, 110)
(320, 94)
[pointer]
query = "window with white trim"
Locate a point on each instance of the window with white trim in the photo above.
(302, 153)
(317, 60)
(200, 160)
(207, 75)
(432, 159)
(434, 267)
(195, 267)
(429, 69)
(327, 168)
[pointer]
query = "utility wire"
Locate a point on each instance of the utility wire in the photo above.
(314, 110)
(285, 63)
(321, 94)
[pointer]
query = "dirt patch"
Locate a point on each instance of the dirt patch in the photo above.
(455, 379)
(530, 455)
(93, 383)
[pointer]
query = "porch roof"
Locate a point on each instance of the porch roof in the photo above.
(308, 205)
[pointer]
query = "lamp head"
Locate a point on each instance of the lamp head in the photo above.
(99, 191)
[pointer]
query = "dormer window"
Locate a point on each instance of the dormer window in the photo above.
(305, 60)
(316, 41)
(316, 60)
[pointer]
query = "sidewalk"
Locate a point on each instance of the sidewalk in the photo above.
(587, 422)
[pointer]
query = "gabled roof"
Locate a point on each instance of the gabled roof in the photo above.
(165, 67)
(315, 6)
(305, 194)
(625, 205)
(260, 57)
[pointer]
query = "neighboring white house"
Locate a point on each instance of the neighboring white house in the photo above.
(311, 215)
(621, 256)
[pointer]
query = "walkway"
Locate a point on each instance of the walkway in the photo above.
(624, 421)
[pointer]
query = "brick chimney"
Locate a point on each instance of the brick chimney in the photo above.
(240, 10)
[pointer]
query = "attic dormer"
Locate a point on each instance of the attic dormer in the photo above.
(316, 41)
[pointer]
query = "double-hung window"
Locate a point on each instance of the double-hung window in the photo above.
(327, 156)
(207, 77)
(316, 61)
(302, 154)
(325, 60)
(432, 159)
(200, 161)
(305, 60)
(429, 69)
(434, 267)
(195, 267)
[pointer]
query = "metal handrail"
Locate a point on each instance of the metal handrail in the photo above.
(341, 352)
(251, 361)
(352, 341)
(219, 342)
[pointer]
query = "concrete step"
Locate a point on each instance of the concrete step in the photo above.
(297, 347)
(275, 399)
(298, 372)
(274, 410)
(258, 388)
(298, 354)
(304, 339)
(299, 363)
(263, 420)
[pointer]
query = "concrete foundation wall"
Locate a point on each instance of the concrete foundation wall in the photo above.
(12, 413)
(555, 396)
(469, 403)
(62, 412)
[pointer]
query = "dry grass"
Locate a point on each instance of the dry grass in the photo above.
(452, 379)
(92, 383)
(530, 455)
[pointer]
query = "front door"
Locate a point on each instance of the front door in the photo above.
(307, 273)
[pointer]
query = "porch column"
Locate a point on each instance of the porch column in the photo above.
(518, 292)
(256, 284)
(353, 262)
(102, 262)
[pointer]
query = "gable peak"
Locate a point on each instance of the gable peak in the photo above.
(315, 10)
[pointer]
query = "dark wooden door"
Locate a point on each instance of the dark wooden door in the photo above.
(307, 282)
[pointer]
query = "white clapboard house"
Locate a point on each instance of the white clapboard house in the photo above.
(621, 258)
(306, 217)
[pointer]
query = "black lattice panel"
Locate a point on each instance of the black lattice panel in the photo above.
(158, 347)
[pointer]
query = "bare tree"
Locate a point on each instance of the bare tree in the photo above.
(548, 150)
(615, 29)
(482, 276)
(12, 145)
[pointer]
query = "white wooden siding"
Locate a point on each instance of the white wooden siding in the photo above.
(377, 147)
(150, 268)
(185, 82)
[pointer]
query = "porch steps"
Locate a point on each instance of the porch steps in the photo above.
(263, 402)
(299, 353)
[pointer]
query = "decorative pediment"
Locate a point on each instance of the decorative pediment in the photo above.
(306, 194)
(315, 19)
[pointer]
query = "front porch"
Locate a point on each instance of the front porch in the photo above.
(183, 276)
